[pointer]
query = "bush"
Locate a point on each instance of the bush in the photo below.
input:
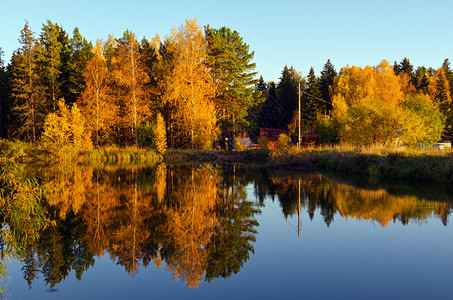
(423, 122)
(145, 134)
(240, 144)
(327, 129)
(283, 142)
(263, 142)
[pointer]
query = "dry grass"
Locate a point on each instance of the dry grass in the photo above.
(410, 164)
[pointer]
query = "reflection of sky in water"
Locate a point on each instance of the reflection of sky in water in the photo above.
(350, 259)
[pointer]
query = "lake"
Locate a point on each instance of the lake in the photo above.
(207, 231)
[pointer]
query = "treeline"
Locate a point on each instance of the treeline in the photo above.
(200, 84)
(401, 105)
(70, 92)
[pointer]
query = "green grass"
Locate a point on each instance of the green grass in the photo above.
(377, 161)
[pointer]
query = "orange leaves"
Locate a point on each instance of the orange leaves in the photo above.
(378, 83)
(129, 73)
(367, 98)
(189, 86)
(95, 104)
(65, 128)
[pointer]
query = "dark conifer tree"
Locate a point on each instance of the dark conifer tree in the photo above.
(26, 89)
(80, 52)
(448, 74)
(405, 67)
(312, 105)
(422, 80)
(270, 111)
(328, 74)
(231, 66)
(51, 65)
(261, 86)
(287, 93)
(3, 93)
(255, 111)
(150, 54)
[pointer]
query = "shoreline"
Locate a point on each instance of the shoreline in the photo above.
(414, 165)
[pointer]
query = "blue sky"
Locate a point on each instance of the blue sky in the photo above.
(295, 33)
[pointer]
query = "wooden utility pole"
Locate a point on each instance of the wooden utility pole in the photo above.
(298, 135)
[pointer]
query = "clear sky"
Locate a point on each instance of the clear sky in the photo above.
(294, 33)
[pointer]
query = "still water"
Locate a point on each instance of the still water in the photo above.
(225, 232)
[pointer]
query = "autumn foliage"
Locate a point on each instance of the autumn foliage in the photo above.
(369, 109)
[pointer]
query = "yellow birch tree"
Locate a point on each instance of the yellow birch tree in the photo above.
(95, 104)
(189, 87)
(131, 78)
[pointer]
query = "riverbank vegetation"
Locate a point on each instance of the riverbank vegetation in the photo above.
(126, 101)
(373, 161)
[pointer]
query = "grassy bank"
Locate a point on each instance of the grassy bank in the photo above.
(258, 156)
(416, 165)
(22, 152)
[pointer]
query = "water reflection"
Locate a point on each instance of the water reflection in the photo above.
(196, 221)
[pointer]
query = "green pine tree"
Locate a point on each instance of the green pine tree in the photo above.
(230, 62)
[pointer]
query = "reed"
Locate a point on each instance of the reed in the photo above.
(410, 164)
(116, 155)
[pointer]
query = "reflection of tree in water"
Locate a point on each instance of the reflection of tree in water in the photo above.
(194, 218)
(189, 210)
(230, 245)
(188, 216)
(23, 216)
(361, 203)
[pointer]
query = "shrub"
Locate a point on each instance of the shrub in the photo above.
(161, 135)
(283, 142)
(263, 142)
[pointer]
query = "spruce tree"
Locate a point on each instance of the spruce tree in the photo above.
(422, 79)
(80, 52)
(261, 86)
(271, 111)
(287, 93)
(3, 93)
(328, 74)
(405, 67)
(448, 74)
(50, 62)
(439, 90)
(311, 104)
(26, 92)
